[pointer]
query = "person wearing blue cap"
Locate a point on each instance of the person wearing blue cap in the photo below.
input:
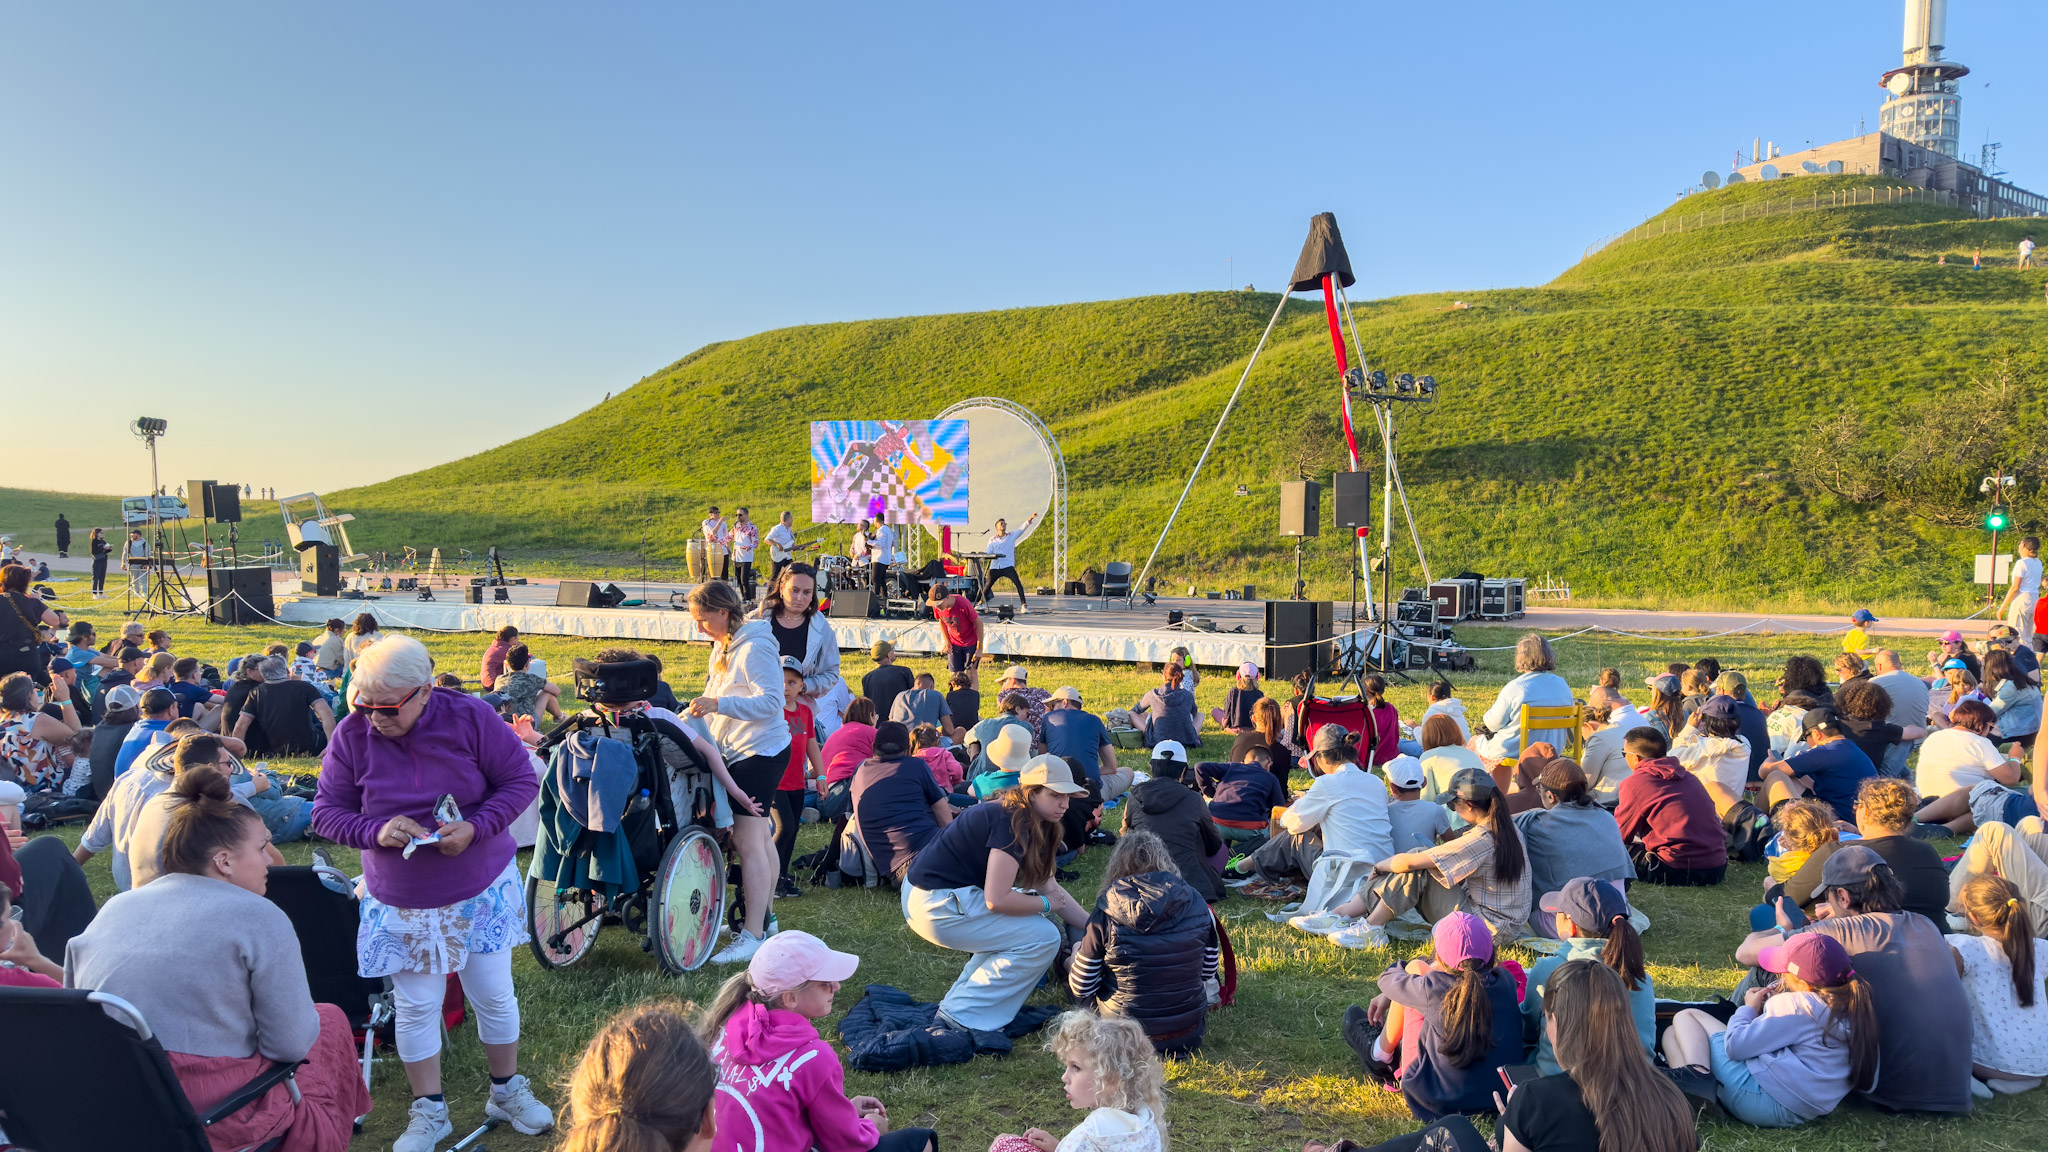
(1592, 919)
(1857, 639)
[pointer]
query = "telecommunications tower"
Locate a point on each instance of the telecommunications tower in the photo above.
(1924, 107)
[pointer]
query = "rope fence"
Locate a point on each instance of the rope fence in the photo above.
(1666, 223)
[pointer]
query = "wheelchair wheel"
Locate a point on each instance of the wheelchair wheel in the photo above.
(689, 890)
(561, 927)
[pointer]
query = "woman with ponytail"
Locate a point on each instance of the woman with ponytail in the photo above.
(644, 1084)
(1607, 1095)
(2002, 972)
(1441, 1030)
(1591, 917)
(206, 914)
(1483, 870)
(778, 1079)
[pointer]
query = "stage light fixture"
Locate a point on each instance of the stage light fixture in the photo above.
(1379, 381)
(1428, 385)
(1404, 383)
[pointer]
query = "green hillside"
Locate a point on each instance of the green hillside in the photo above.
(1626, 427)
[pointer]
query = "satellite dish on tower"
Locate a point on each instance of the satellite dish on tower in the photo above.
(1768, 172)
(1834, 167)
(1899, 83)
(1809, 166)
(1711, 179)
(1736, 178)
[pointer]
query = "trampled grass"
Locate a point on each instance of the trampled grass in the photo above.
(1274, 1070)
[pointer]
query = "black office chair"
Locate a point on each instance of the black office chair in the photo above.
(83, 1074)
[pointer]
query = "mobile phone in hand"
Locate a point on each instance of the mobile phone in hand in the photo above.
(1516, 1075)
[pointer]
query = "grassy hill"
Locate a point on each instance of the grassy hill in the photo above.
(1627, 426)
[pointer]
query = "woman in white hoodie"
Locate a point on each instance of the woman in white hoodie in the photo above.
(742, 705)
(1711, 746)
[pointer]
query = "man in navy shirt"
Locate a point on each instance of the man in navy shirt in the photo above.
(1073, 733)
(1832, 768)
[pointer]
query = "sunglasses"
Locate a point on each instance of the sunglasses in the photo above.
(389, 709)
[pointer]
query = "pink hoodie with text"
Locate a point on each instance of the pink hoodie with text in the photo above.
(781, 1089)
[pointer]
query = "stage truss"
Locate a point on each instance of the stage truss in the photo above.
(1053, 456)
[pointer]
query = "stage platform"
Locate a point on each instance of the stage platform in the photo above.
(1056, 627)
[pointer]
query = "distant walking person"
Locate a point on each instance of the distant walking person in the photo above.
(2025, 592)
(781, 548)
(1977, 260)
(2027, 252)
(717, 542)
(138, 563)
(1003, 546)
(100, 551)
(746, 537)
(63, 535)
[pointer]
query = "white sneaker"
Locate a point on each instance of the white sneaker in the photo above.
(513, 1103)
(1323, 923)
(427, 1126)
(741, 950)
(2012, 1087)
(1362, 936)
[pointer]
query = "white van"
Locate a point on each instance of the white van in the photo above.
(135, 509)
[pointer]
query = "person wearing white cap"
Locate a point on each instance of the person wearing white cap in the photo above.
(779, 1079)
(1017, 679)
(1236, 714)
(985, 886)
(1417, 823)
(1344, 810)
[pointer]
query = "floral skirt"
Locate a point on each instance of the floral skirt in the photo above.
(439, 940)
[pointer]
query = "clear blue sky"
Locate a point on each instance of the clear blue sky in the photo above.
(334, 243)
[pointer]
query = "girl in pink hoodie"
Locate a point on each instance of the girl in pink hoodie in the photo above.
(781, 1087)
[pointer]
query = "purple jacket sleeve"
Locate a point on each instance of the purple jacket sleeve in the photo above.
(338, 796)
(1409, 990)
(1751, 1034)
(501, 757)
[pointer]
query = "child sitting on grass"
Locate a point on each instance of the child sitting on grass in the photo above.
(1794, 1049)
(946, 768)
(1236, 714)
(1439, 1032)
(2002, 973)
(1109, 1068)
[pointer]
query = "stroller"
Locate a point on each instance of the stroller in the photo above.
(655, 867)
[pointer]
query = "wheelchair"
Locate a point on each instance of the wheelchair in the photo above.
(675, 891)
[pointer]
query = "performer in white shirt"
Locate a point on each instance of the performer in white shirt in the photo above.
(1003, 546)
(882, 542)
(746, 537)
(781, 547)
(2025, 592)
(717, 545)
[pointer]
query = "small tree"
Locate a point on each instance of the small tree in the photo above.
(1929, 459)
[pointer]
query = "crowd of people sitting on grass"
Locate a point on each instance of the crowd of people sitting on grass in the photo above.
(1472, 832)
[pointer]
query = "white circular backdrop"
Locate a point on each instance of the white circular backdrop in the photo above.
(1009, 476)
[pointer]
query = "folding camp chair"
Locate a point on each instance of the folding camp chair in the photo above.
(85, 1075)
(1116, 582)
(321, 904)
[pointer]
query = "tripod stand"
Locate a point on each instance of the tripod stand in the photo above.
(165, 593)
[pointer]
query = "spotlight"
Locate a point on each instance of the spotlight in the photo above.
(1428, 385)
(1174, 616)
(1379, 381)
(1006, 613)
(1404, 383)
(150, 426)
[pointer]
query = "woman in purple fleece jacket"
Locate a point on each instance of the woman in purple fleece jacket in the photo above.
(453, 904)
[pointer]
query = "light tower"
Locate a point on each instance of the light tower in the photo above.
(1924, 107)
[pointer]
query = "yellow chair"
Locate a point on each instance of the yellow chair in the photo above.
(1555, 718)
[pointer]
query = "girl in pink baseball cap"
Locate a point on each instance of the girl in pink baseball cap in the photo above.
(777, 1076)
(1440, 1031)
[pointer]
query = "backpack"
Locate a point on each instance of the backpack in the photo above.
(1749, 832)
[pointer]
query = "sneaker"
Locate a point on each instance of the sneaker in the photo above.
(1362, 936)
(513, 1103)
(1931, 832)
(1362, 1034)
(2012, 1087)
(786, 888)
(1979, 1089)
(426, 1125)
(1322, 923)
(741, 950)
(810, 816)
(1240, 864)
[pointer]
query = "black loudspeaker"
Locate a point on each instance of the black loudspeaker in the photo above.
(613, 595)
(239, 595)
(225, 503)
(320, 570)
(474, 594)
(580, 594)
(851, 603)
(1301, 508)
(1351, 499)
(199, 497)
(1297, 637)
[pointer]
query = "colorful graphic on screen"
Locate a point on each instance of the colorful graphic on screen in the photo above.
(895, 471)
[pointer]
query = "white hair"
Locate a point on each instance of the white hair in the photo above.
(392, 665)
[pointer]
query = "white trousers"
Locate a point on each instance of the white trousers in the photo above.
(486, 983)
(2021, 617)
(1010, 953)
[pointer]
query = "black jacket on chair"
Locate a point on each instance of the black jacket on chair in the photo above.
(1148, 947)
(1176, 814)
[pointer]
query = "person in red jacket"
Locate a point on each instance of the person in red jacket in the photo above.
(1668, 821)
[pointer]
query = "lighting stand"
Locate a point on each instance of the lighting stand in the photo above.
(167, 595)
